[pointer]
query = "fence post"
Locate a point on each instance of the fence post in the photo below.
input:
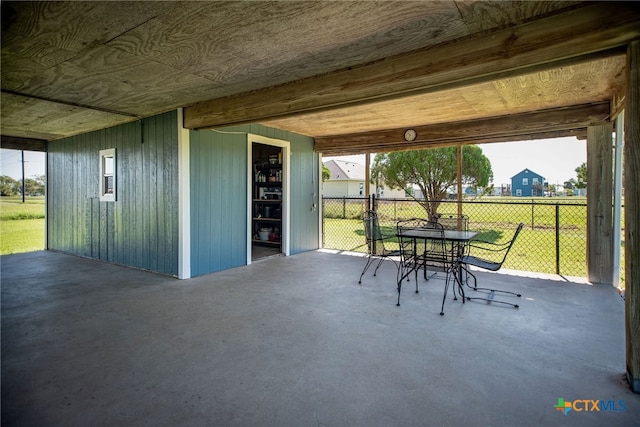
(323, 213)
(344, 208)
(532, 227)
(557, 239)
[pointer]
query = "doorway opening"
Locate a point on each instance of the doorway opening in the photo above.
(268, 198)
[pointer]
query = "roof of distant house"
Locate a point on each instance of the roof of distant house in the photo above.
(343, 170)
(529, 171)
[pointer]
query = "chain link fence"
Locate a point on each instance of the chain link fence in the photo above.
(553, 240)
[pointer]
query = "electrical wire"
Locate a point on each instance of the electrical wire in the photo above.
(229, 132)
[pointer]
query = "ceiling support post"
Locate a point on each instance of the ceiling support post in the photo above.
(632, 215)
(617, 197)
(599, 199)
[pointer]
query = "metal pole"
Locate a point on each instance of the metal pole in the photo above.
(617, 197)
(459, 177)
(322, 222)
(367, 173)
(22, 151)
(557, 239)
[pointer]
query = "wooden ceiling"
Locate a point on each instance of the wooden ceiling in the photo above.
(342, 72)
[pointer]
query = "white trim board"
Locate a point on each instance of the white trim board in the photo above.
(286, 159)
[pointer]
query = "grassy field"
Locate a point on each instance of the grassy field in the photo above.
(21, 225)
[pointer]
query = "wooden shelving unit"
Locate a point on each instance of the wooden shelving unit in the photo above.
(267, 200)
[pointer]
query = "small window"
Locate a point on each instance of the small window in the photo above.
(535, 181)
(518, 192)
(108, 175)
(525, 181)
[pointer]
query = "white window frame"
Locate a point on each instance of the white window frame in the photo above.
(104, 196)
(518, 192)
(525, 181)
(535, 181)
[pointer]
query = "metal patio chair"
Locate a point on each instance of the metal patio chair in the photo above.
(376, 249)
(489, 256)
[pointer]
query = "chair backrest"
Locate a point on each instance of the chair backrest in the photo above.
(375, 241)
(508, 245)
(454, 221)
(515, 236)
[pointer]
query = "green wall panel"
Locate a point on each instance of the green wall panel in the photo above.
(139, 229)
(218, 201)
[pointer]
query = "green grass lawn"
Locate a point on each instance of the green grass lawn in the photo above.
(21, 225)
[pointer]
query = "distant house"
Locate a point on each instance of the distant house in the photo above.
(348, 180)
(527, 184)
(502, 190)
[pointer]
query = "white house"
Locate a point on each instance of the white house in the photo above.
(348, 180)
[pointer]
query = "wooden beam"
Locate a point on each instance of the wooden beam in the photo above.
(578, 34)
(538, 124)
(632, 215)
(17, 143)
(599, 211)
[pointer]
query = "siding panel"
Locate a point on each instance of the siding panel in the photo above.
(137, 230)
(218, 201)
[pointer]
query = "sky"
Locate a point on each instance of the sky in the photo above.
(555, 159)
(11, 163)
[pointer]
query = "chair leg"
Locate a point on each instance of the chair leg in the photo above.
(455, 272)
(401, 276)
(446, 290)
(366, 267)
(378, 266)
(415, 270)
(458, 276)
(492, 292)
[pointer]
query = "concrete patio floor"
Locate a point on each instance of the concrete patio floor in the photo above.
(295, 341)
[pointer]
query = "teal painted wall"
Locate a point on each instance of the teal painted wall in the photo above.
(218, 196)
(218, 182)
(139, 229)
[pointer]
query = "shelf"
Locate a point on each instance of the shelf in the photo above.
(267, 200)
(268, 183)
(268, 219)
(267, 242)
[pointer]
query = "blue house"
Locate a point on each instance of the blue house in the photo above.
(527, 183)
